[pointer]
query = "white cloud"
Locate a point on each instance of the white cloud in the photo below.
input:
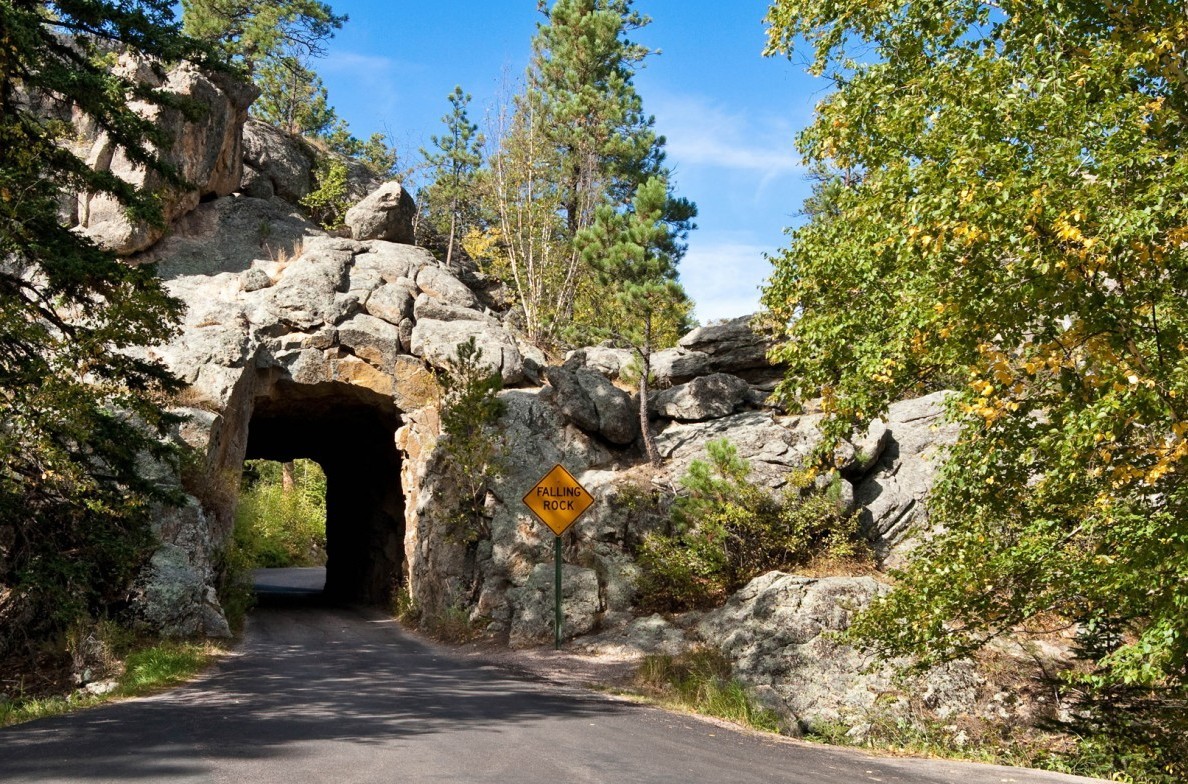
(705, 134)
(724, 277)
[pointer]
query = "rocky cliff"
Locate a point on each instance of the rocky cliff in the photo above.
(297, 343)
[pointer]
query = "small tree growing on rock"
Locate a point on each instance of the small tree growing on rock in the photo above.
(634, 254)
(328, 203)
(473, 447)
(454, 166)
(728, 530)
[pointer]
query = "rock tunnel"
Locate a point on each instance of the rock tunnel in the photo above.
(350, 432)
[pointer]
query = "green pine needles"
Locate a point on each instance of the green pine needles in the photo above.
(727, 530)
(472, 445)
(80, 407)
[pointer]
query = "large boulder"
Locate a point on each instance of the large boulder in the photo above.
(706, 397)
(677, 365)
(607, 360)
(206, 151)
(780, 632)
(893, 497)
(284, 166)
(593, 403)
(385, 214)
(275, 163)
(731, 346)
(438, 341)
(174, 595)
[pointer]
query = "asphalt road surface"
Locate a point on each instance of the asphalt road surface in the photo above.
(320, 694)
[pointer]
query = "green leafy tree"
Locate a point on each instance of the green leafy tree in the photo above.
(634, 254)
(1019, 230)
(280, 519)
(79, 404)
(528, 240)
(453, 168)
(578, 139)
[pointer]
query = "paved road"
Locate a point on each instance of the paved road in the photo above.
(319, 694)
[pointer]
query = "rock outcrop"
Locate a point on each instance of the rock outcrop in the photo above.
(282, 165)
(781, 633)
(705, 397)
(299, 343)
(206, 152)
(284, 319)
(897, 462)
(385, 214)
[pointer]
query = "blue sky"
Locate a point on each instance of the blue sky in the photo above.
(729, 114)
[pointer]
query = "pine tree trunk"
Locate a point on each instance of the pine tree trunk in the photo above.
(645, 426)
(450, 246)
(288, 477)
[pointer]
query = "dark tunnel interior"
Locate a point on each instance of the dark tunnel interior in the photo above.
(351, 433)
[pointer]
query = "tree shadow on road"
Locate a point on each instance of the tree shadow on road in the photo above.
(305, 674)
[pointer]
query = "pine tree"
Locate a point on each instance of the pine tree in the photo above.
(79, 406)
(453, 168)
(579, 139)
(257, 32)
(293, 98)
(274, 43)
(634, 254)
(583, 100)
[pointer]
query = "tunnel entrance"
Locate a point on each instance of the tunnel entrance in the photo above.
(350, 432)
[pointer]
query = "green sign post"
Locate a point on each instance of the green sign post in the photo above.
(558, 500)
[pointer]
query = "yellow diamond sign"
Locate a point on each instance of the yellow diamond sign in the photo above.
(558, 500)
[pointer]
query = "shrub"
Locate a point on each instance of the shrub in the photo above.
(275, 527)
(328, 203)
(472, 444)
(727, 530)
(701, 680)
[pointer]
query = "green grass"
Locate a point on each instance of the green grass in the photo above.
(700, 681)
(997, 743)
(164, 665)
(147, 670)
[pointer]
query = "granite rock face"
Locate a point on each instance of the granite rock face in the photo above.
(892, 496)
(591, 402)
(284, 166)
(705, 397)
(385, 214)
(780, 632)
(207, 152)
(299, 343)
(333, 323)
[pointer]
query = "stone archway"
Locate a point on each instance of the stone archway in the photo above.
(350, 432)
